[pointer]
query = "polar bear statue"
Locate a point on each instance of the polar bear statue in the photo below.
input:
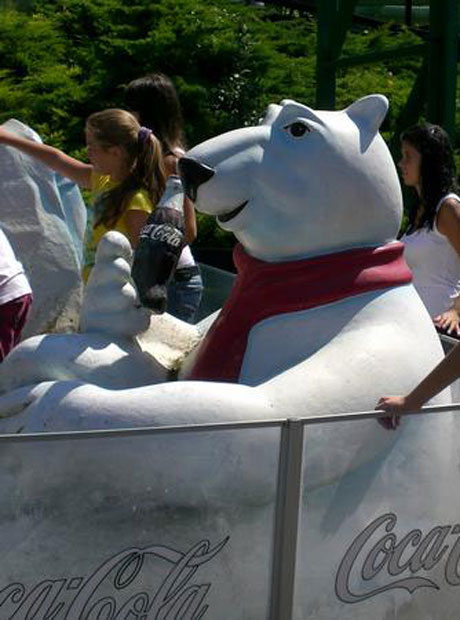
(322, 319)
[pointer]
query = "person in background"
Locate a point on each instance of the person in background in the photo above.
(126, 174)
(154, 101)
(15, 297)
(432, 239)
(447, 371)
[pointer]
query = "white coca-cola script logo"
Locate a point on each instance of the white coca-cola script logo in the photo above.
(126, 587)
(377, 550)
(163, 232)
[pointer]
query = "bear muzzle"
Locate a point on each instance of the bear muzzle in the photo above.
(193, 174)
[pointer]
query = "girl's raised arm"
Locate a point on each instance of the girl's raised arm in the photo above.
(69, 167)
(447, 371)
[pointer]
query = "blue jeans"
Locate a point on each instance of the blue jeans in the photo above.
(184, 297)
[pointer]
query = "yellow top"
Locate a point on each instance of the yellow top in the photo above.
(139, 201)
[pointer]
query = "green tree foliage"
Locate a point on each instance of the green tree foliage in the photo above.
(37, 84)
(60, 60)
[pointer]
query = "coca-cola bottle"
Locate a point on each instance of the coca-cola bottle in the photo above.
(160, 243)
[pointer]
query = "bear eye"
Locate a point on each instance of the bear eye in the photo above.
(297, 129)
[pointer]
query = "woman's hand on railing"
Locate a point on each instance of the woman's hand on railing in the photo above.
(395, 404)
(448, 321)
(392, 404)
(447, 371)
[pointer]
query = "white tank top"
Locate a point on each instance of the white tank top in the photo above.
(435, 266)
(13, 282)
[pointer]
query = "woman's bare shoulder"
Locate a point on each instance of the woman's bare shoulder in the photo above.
(448, 221)
(450, 208)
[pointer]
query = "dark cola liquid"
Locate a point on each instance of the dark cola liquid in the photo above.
(155, 258)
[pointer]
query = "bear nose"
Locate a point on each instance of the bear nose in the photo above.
(193, 174)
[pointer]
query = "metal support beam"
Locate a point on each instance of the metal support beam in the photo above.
(408, 13)
(442, 67)
(374, 57)
(334, 19)
(436, 84)
(413, 108)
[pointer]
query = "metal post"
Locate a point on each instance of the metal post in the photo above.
(334, 19)
(413, 108)
(289, 495)
(408, 13)
(442, 71)
(325, 70)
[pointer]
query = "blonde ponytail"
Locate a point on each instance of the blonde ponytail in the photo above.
(115, 127)
(149, 168)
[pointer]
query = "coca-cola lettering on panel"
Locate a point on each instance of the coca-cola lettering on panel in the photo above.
(400, 560)
(124, 586)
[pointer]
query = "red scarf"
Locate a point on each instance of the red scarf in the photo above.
(262, 290)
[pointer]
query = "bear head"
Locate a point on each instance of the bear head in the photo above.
(301, 183)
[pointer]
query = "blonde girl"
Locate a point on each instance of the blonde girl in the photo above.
(126, 175)
(154, 101)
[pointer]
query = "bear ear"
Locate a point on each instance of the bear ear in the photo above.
(368, 112)
(270, 114)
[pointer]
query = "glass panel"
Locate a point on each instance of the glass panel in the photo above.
(379, 526)
(217, 287)
(138, 527)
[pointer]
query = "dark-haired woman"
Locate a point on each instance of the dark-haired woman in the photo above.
(154, 101)
(432, 239)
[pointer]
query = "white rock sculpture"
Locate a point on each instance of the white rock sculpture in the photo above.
(319, 321)
(44, 217)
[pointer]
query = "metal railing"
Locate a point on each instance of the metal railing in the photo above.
(289, 484)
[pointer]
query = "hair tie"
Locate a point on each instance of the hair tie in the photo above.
(144, 134)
